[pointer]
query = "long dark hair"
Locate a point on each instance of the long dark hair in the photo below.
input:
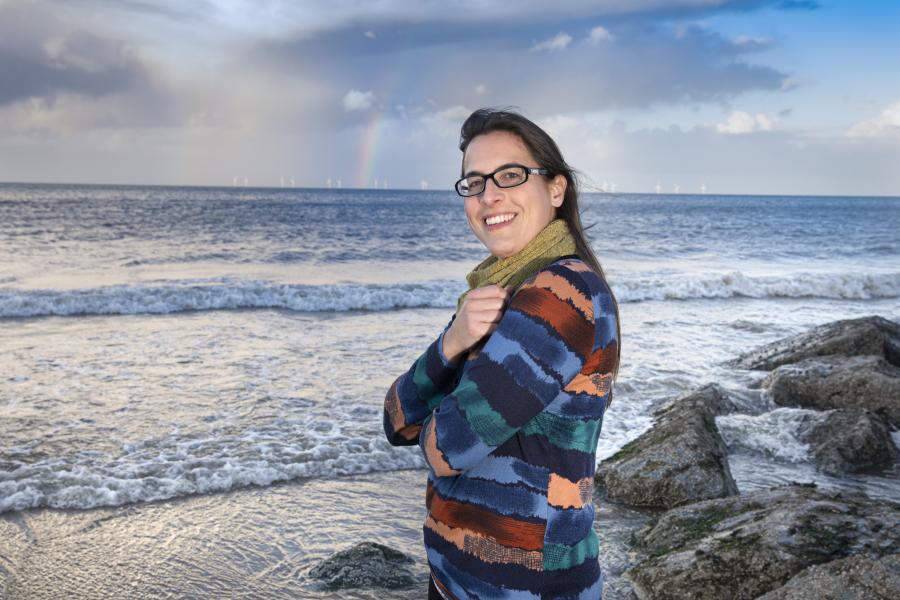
(547, 154)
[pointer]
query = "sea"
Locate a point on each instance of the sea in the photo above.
(164, 343)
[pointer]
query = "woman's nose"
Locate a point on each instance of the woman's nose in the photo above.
(492, 192)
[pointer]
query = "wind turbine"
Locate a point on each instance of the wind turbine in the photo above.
(677, 187)
(658, 187)
(702, 188)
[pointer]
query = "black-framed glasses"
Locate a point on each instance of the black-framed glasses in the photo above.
(506, 176)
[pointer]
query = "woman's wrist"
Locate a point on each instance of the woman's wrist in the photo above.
(450, 348)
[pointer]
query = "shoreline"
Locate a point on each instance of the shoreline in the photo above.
(250, 542)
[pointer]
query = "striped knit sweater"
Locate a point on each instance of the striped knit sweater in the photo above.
(510, 438)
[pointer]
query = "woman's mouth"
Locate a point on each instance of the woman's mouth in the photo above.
(495, 222)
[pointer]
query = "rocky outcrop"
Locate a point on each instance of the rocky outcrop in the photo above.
(366, 564)
(854, 578)
(874, 336)
(681, 459)
(744, 546)
(839, 382)
(851, 440)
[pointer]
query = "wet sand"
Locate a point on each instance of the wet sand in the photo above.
(256, 542)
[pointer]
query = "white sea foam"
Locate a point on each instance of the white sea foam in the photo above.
(776, 433)
(159, 470)
(733, 284)
(221, 294)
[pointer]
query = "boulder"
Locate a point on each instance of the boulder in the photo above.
(874, 335)
(681, 459)
(850, 440)
(853, 578)
(744, 546)
(829, 382)
(366, 564)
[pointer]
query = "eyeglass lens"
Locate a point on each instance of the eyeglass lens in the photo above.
(509, 177)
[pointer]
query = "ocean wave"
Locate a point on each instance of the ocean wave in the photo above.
(155, 471)
(223, 294)
(735, 284)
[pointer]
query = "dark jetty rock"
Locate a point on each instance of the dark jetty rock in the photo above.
(854, 578)
(830, 382)
(851, 440)
(744, 546)
(874, 336)
(366, 564)
(681, 459)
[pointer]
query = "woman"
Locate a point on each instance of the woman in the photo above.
(507, 403)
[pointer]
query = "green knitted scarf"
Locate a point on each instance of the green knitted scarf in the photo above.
(553, 242)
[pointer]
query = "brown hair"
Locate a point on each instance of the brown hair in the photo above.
(548, 156)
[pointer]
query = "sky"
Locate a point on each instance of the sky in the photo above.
(721, 96)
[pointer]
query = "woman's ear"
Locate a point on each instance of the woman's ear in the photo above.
(557, 190)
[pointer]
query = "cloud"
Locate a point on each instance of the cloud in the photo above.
(748, 43)
(279, 17)
(642, 65)
(558, 42)
(42, 56)
(780, 162)
(788, 84)
(599, 34)
(357, 100)
(886, 124)
(743, 122)
(797, 5)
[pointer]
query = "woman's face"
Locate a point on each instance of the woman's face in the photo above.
(531, 205)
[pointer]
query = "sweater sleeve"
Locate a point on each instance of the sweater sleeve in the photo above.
(541, 343)
(413, 395)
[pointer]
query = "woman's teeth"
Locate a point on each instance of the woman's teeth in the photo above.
(499, 219)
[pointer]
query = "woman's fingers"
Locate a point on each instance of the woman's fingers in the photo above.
(482, 310)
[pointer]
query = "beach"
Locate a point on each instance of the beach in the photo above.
(191, 379)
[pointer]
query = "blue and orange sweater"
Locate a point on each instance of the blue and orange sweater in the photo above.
(510, 438)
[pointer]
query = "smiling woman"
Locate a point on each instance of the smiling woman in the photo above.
(507, 403)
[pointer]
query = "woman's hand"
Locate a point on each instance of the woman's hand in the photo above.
(477, 318)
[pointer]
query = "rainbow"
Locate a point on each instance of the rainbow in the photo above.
(368, 149)
(386, 95)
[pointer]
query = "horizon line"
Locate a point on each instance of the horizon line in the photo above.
(432, 190)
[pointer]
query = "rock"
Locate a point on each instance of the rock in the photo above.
(712, 397)
(744, 546)
(854, 578)
(851, 440)
(366, 564)
(874, 335)
(830, 382)
(681, 459)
